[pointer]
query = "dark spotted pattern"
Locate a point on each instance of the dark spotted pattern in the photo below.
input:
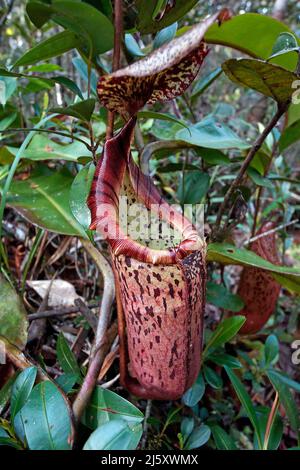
(258, 288)
(164, 313)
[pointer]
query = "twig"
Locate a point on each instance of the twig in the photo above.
(48, 131)
(145, 426)
(271, 421)
(58, 312)
(118, 22)
(273, 230)
(256, 146)
(88, 315)
(102, 336)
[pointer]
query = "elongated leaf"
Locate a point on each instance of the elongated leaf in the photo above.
(161, 116)
(165, 35)
(195, 393)
(198, 437)
(246, 402)
(106, 406)
(5, 392)
(43, 148)
(202, 84)
(269, 79)
(8, 86)
(238, 33)
(43, 199)
(212, 378)
(218, 295)
(78, 195)
(132, 46)
(52, 47)
(46, 419)
(225, 331)
(66, 357)
(271, 350)
(285, 379)
(287, 400)
(228, 254)
(211, 133)
(258, 179)
(93, 27)
(289, 136)
(115, 435)
(13, 318)
(21, 389)
(222, 440)
(193, 186)
(82, 110)
(223, 359)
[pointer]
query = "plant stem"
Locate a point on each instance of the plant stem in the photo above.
(28, 129)
(97, 356)
(256, 146)
(118, 21)
(270, 422)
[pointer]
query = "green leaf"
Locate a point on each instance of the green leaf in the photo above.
(66, 357)
(271, 350)
(47, 420)
(287, 400)
(198, 437)
(80, 190)
(213, 156)
(202, 84)
(94, 28)
(193, 186)
(43, 148)
(212, 378)
(219, 295)
(66, 382)
(13, 317)
(269, 79)
(51, 47)
(8, 86)
(194, 394)
(132, 46)
(21, 390)
(161, 117)
(223, 359)
(247, 404)
(222, 440)
(115, 435)
(228, 254)
(258, 179)
(238, 33)
(82, 110)
(187, 426)
(276, 428)
(43, 199)
(165, 35)
(147, 10)
(106, 406)
(285, 379)
(286, 42)
(289, 136)
(65, 81)
(211, 133)
(225, 331)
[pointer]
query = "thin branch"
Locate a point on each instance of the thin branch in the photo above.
(273, 230)
(145, 426)
(102, 336)
(256, 146)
